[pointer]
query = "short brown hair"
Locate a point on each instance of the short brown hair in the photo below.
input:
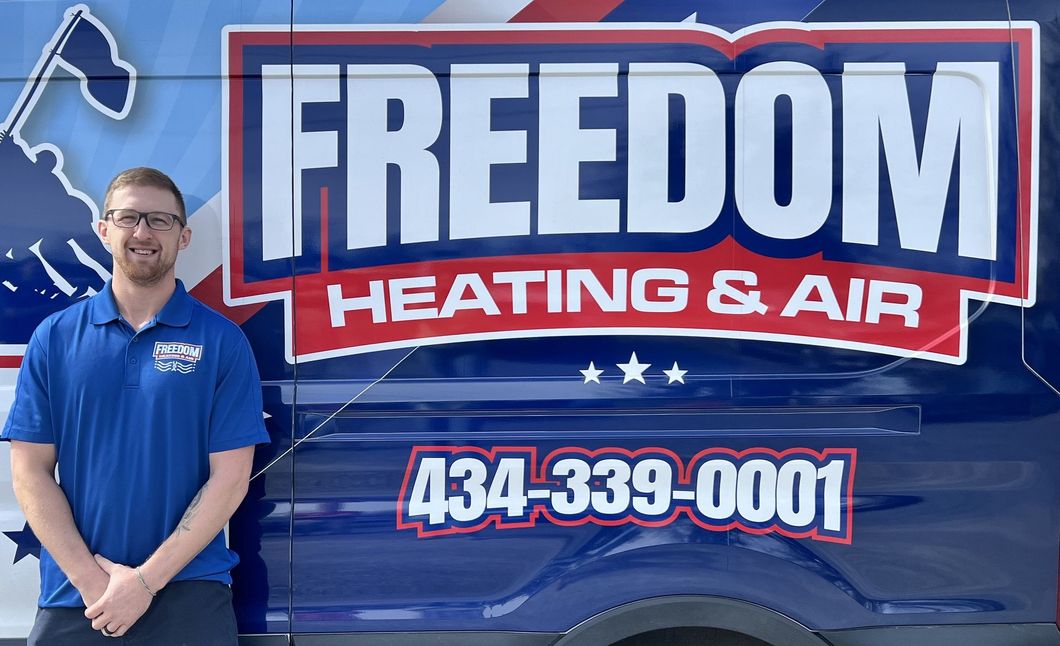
(143, 176)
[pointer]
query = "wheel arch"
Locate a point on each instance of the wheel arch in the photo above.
(690, 611)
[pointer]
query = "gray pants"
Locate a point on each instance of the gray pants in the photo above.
(185, 613)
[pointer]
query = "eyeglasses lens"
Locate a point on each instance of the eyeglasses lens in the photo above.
(129, 218)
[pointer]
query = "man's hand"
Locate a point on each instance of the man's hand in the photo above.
(93, 588)
(122, 604)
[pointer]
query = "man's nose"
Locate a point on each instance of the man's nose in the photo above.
(141, 230)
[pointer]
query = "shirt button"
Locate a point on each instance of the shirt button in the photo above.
(133, 360)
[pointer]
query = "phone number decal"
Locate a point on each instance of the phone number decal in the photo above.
(798, 492)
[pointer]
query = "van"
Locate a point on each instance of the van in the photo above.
(610, 323)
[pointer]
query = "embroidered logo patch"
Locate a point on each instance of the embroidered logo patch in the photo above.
(176, 357)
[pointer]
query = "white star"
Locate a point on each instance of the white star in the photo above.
(591, 373)
(675, 374)
(634, 370)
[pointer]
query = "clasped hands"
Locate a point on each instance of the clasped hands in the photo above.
(115, 607)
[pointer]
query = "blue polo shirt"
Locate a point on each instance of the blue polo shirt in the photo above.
(134, 416)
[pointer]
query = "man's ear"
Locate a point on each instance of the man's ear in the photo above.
(185, 238)
(101, 230)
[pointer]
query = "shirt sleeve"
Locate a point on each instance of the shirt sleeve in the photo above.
(30, 417)
(236, 417)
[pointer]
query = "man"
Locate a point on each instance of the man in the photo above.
(150, 405)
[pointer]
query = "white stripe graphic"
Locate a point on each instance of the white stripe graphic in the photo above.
(203, 255)
(472, 11)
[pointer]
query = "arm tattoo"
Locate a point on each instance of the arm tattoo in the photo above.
(193, 508)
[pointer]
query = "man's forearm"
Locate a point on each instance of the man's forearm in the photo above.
(125, 599)
(48, 512)
(205, 516)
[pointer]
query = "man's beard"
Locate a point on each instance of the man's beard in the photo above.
(145, 275)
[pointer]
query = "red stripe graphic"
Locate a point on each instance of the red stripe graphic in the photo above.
(210, 291)
(565, 11)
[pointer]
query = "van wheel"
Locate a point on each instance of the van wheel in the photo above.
(690, 637)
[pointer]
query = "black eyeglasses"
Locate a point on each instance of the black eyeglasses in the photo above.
(130, 219)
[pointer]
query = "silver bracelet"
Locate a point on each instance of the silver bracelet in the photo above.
(144, 583)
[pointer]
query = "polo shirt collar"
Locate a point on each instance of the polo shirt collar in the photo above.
(175, 313)
(103, 307)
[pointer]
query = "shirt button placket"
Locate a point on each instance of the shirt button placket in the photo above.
(132, 364)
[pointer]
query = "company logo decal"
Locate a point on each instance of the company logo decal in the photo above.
(798, 492)
(863, 186)
(176, 357)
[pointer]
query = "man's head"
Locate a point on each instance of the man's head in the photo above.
(143, 176)
(140, 203)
